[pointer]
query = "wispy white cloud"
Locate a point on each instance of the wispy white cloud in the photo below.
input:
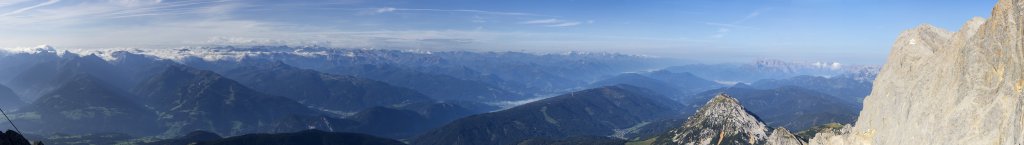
(4, 3)
(81, 12)
(170, 8)
(724, 25)
(721, 32)
(384, 10)
(543, 21)
(163, 24)
(566, 24)
(725, 28)
(555, 22)
(748, 17)
(135, 2)
(50, 2)
(391, 9)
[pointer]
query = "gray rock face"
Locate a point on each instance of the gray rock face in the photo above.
(782, 136)
(836, 137)
(940, 87)
(12, 138)
(724, 121)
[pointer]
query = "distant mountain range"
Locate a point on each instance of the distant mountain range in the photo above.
(439, 86)
(422, 98)
(805, 104)
(792, 107)
(180, 99)
(189, 99)
(771, 69)
(321, 90)
(502, 75)
(85, 104)
(617, 107)
(849, 87)
(44, 77)
(17, 62)
(674, 85)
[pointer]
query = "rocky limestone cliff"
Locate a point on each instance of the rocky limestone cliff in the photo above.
(724, 121)
(940, 87)
(782, 136)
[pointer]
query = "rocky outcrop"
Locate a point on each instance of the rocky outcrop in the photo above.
(940, 87)
(724, 121)
(13, 138)
(840, 136)
(782, 136)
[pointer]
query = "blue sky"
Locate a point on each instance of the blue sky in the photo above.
(851, 31)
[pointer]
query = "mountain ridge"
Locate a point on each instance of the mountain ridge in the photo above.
(329, 91)
(558, 117)
(85, 104)
(186, 96)
(8, 99)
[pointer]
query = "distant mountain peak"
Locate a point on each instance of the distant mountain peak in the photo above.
(726, 99)
(31, 50)
(782, 136)
(86, 104)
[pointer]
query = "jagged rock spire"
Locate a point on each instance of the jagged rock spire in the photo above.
(723, 121)
(782, 136)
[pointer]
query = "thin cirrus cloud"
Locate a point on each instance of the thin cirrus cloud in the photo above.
(166, 8)
(75, 12)
(161, 24)
(50, 2)
(554, 22)
(156, 23)
(725, 28)
(11, 2)
(391, 9)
